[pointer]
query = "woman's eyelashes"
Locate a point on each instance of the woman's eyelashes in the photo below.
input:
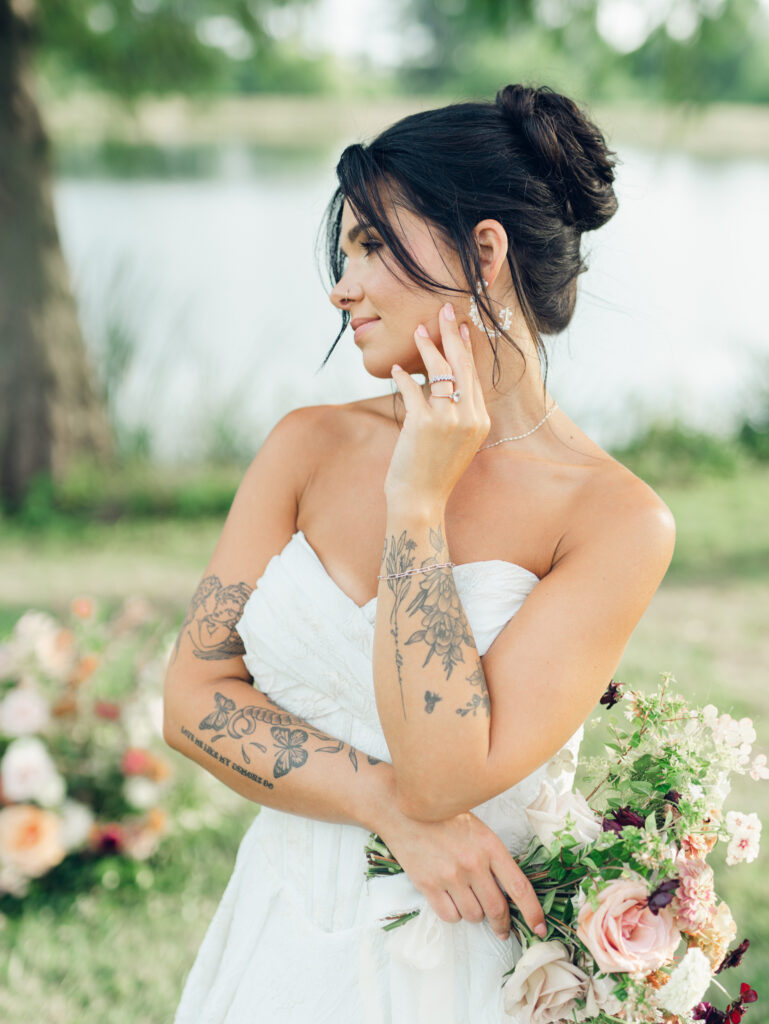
(368, 245)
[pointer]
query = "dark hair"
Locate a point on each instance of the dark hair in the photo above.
(530, 159)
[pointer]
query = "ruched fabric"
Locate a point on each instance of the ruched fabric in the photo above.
(296, 937)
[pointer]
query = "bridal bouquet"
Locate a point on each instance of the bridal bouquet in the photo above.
(80, 713)
(636, 931)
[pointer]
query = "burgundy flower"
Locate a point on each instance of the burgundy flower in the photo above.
(620, 817)
(662, 895)
(733, 959)
(747, 994)
(672, 796)
(708, 1013)
(108, 838)
(612, 695)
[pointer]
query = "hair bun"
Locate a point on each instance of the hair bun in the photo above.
(569, 151)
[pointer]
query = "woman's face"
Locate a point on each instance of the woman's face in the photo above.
(398, 304)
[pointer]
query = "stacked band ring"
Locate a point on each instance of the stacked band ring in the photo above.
(454, 396)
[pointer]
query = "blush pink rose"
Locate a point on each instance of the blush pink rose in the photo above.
(622, 934)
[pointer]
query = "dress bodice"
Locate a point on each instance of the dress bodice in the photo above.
(297, 935)
(309, 646)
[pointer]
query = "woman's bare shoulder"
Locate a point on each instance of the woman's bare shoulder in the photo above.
(616, 502)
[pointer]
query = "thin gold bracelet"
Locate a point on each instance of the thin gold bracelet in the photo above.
(424, 568)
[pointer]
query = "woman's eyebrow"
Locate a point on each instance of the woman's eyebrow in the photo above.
(354, 231)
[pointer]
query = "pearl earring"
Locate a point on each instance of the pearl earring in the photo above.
(506, 314)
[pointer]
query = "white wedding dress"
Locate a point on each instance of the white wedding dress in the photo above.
(296, 937)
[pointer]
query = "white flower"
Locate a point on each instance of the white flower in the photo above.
(22, 711)
(745, 832)
(720, 789)
(38, 635)
(599, 996)
(28, 773)
(731, 732)
(561, 763)
(758, 769)
(687, 984)
(76, 821)
(544, 985)
(141, 792)
(547, 814)
(29, 630)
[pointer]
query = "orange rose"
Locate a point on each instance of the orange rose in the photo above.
(30, 839)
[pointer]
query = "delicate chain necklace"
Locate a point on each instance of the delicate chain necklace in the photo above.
(517, 437)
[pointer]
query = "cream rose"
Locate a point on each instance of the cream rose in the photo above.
(622, 933)
(544, 985)
(547, 814)
(28, 773)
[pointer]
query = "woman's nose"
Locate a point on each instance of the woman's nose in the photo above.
(342, 294)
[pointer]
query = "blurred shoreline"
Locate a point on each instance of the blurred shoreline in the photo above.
(301, 122)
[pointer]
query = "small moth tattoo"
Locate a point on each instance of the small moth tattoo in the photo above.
(431, 699)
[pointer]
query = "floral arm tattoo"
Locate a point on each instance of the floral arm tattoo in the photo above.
(444, 631)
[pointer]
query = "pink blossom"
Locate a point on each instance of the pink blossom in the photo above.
(758, 769)
(745, 832)
(622, 933)
(694, 902)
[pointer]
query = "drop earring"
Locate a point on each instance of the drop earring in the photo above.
(475, 316)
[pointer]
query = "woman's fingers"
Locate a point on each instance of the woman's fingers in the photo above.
(466, 902)
(435, 364)
(408, 387)
(444, 907)
(521, 892)
(494, 904)
(455, 350)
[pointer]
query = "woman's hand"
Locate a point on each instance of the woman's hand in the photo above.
(459, 865)
(439, 436)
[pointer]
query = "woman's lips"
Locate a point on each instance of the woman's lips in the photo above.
(360, 331)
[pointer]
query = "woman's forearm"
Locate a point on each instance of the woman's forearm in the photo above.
(274, 758)
(431, 691)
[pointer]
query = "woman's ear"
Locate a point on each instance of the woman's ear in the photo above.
(492, 242)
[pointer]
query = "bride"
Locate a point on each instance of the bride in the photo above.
(417, 598)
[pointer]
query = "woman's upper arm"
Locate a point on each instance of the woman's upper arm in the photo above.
(554, 659)
(260, 523)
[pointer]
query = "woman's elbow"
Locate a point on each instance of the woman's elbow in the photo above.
(421, 804)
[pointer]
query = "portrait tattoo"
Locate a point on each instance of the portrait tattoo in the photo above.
(478, 701)
(211, 618)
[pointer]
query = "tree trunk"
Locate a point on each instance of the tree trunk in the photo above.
(50, 410)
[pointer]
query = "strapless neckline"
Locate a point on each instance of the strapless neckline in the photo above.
(461, 566)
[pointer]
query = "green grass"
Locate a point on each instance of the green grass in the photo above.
(122, 956)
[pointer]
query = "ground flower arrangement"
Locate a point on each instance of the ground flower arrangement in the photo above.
(636, 931)
(82, 773)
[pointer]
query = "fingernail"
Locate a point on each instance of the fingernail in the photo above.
(395, 367)
(464, 330)
(541, 930)
(448, 311)
(422, 331)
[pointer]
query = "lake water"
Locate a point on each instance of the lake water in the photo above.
(215, 282)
